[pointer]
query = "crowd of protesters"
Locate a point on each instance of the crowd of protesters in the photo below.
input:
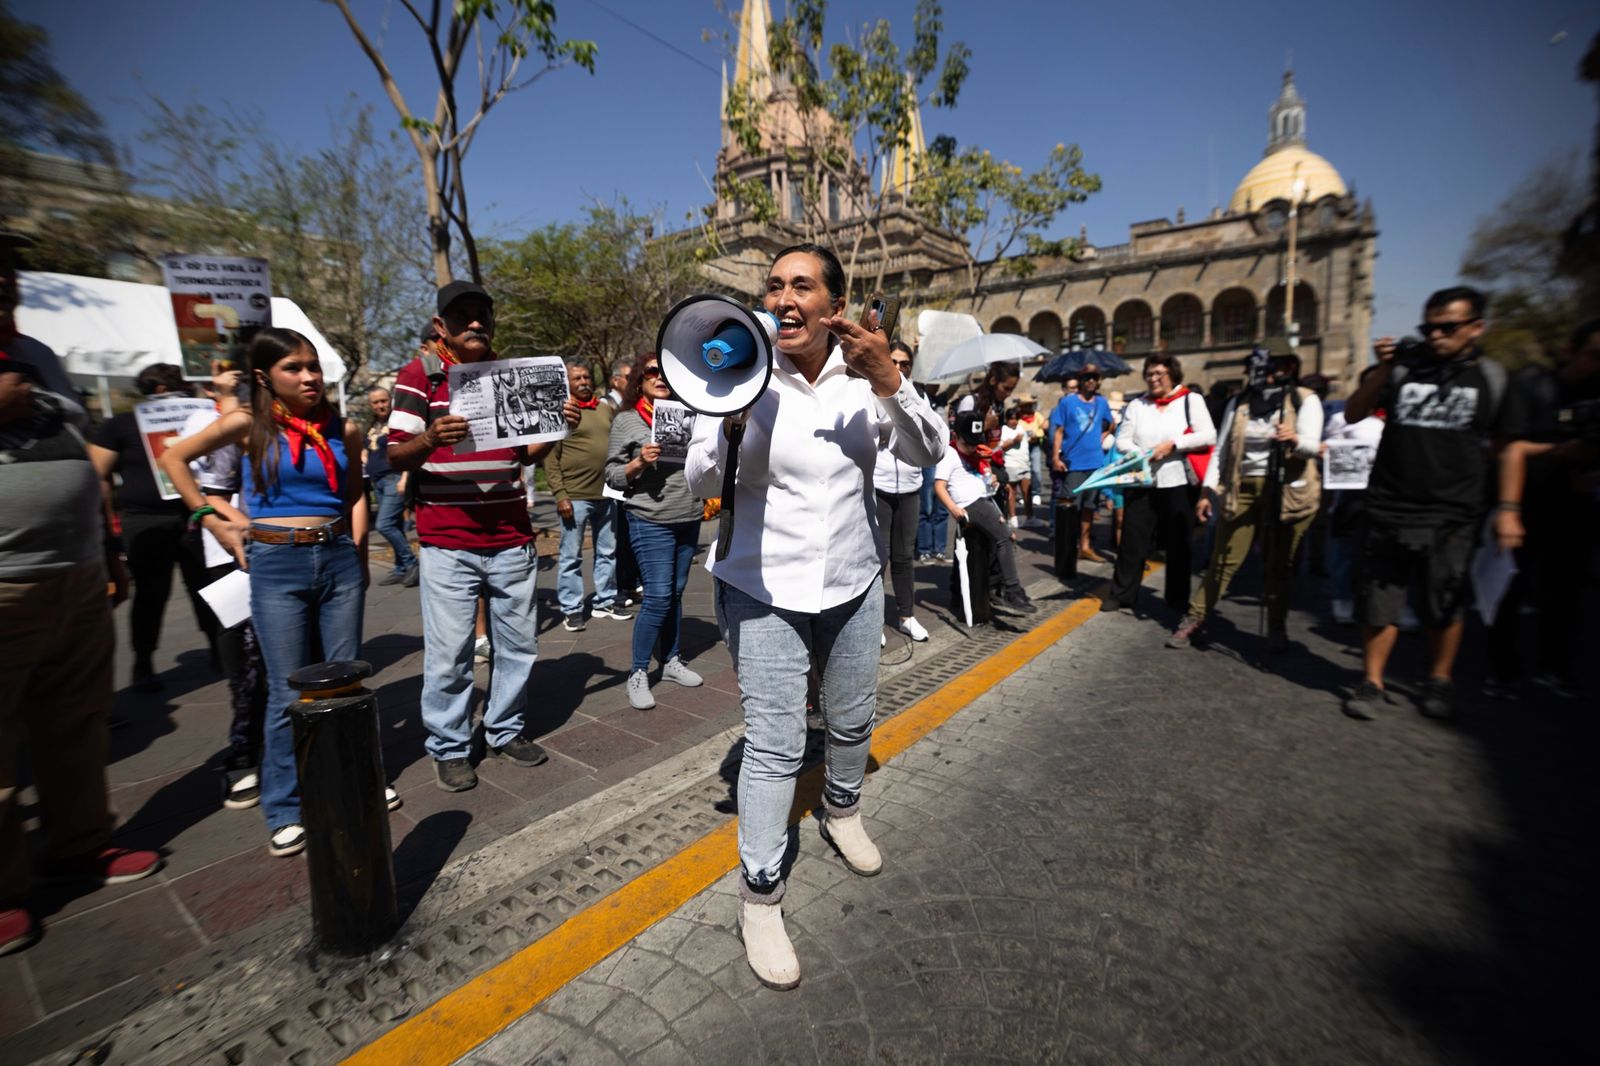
(283, 486)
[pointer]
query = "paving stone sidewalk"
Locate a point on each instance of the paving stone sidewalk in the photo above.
(221, 898)
(1126, 853)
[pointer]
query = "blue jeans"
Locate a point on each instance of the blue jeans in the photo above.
(932, 520)
(569, 576)
(452, 581)
(391, 519)
(1036, 466)
(665, 553)
(298, 591)
(773, 650)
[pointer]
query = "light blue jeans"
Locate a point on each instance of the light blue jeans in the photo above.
(773, 650)
(292, 586)
(452, 581)
(569, 577)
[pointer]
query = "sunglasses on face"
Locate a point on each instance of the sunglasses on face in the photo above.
(1428, 329)
(650, 372)
(1088, 377)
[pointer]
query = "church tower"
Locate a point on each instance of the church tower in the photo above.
(1286, 120)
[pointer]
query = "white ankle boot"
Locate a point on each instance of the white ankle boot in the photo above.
(850, 837)
(766, 944)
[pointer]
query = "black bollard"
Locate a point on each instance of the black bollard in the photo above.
(342, 807)
(1066, 538)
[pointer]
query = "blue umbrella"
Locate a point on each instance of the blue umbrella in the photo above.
(1068, 364)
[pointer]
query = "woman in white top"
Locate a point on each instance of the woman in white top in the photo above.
(1169, 421)
(898, 487)
(801, 584)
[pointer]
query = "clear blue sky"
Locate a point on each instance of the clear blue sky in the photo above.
(1434, 111)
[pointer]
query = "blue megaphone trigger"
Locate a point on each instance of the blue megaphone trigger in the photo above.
(732, 347)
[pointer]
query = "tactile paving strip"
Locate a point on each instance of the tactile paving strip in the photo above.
(306, 1010)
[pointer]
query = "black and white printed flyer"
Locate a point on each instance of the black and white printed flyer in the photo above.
(508, 402)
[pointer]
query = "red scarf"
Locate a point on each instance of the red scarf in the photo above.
(300, 430)
(1176, 394)
(593, 402)
(647, 410)
(972, 460)
(446, 356)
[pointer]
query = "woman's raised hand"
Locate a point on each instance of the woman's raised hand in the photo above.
(866, 351)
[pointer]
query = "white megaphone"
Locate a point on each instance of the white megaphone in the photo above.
(716, 353)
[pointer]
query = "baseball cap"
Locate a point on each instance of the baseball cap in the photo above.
(454, 291)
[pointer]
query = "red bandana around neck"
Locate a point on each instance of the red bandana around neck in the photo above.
(971, 460)
(588, 405)
(1176, 394)
(446, 356)
(647, 410)
(298, 431)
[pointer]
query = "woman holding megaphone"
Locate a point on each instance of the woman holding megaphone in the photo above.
(801, 581)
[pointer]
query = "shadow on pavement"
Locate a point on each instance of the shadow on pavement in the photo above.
(423, 853)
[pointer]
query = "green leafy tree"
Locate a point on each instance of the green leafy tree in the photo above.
(594, 290)
(342, 227)
(503, 36)
(993, 204)
(854, 108)
(1515, 254)
(38, 109)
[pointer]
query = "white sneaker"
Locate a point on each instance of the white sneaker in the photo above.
(849, 836)
(391, 799)
(673, 670)
(639, 691)
(243, 793)
(883, 640)
(766, 944)
(481, 651)
(1012, 521)
(913, 629)
(1036, 500)
(287, 840)
(1344, 611)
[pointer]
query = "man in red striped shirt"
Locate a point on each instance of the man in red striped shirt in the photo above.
(476, 539)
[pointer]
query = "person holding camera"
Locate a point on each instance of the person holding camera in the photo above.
(1259, 494)
(1427, 492)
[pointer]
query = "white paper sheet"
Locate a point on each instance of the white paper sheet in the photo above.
(229, 598)
(508, 402)
(671, 429)
(1492, 571)
(1347, 464)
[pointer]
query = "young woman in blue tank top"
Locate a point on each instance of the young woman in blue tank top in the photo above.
(304, 545)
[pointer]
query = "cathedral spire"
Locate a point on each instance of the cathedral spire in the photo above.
(903, 161)
(752, 63)
(1286, 121)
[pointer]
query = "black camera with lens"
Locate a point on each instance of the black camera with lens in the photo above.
(1411, 352)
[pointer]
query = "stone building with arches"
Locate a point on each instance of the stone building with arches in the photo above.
(1206, 289)
(1209, 289)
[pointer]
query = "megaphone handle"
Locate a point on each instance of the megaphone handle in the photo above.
(730, 475)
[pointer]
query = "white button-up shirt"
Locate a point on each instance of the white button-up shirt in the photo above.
(1145, 425)
(805, 532)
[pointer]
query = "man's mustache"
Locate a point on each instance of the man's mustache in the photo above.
(474, 334)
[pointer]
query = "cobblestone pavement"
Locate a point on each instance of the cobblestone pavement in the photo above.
(221, 899)
(1125, 853)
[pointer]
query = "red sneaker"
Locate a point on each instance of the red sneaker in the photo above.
(17, 930)
(108, 866)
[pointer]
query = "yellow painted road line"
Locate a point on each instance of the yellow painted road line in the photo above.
(483, 1006)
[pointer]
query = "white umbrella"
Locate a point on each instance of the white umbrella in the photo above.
(966, 579)
(979, 352)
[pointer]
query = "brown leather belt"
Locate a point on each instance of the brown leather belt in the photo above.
(302, 535)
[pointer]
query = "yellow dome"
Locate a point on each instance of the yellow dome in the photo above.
(1273, 179)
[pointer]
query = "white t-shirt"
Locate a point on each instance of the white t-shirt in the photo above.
(961, 481)
(1017, 464)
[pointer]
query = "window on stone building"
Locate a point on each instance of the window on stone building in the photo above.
(1182, 324)
(797, 197)
(1133, 326)
(833, 202)
(1233, 317)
